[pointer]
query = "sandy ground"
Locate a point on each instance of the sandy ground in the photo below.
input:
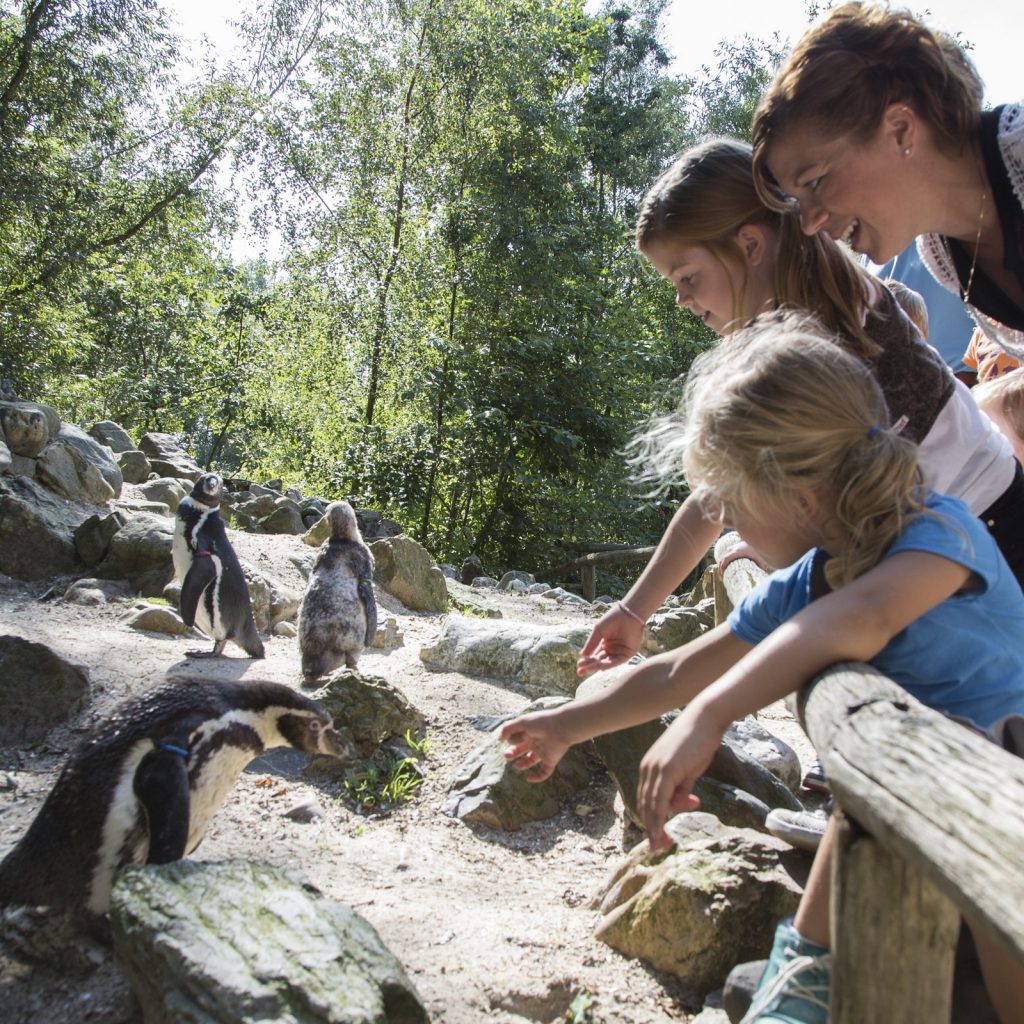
(488, 925)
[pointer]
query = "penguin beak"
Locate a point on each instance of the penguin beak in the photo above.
(337, 744)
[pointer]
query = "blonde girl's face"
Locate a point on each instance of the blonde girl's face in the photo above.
(709, 286)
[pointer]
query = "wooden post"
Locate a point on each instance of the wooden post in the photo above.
(588, 580)
(893, 936)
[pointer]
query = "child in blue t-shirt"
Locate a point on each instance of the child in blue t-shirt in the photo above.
(783, 436)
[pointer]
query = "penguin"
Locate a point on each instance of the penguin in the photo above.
(144, 787)
(338, 614)
(214, 592)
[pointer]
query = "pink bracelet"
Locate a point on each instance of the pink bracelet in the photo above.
(632, 614)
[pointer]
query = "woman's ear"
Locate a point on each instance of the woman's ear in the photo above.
(753, 242)
(899, 123)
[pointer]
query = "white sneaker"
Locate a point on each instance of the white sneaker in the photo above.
(802, 829)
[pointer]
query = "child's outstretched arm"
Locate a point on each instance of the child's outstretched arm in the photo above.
(616, 636)
(853, 623)
(538, 741)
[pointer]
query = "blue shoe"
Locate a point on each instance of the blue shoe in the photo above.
(794, 988)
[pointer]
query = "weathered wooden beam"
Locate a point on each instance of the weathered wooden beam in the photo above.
(893, 936)
(931, 791)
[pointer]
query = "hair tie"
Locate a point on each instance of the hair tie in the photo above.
(873, 431)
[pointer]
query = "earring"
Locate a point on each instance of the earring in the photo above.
(906, 151)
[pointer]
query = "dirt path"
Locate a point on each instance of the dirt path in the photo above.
(488, 925)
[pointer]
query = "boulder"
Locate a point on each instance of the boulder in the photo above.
(736, 788)
(37, 530)
(471, 568)
(562, 596)
(514, 576)
(156, 619)
(756, 743)
(93, 536)
(542, 658)
(167, 457)
(709, 903)
(27, 427)
(81, 469)
(405, 570)
(272, 601)
(237, 942)
(369, 707)
(112, 435)
(487, 790)
(374, 526)
(167, 490)
(140, 552)
(471, 602)
(286, 518)
(670, 628)
(388, 635)
(39, 689)
(134, 466)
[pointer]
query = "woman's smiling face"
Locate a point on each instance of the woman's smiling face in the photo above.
(853, 191)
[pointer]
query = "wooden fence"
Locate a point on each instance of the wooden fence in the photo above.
(931, 828)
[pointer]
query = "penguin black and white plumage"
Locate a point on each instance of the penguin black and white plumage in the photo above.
(214, 592)
(144, 788)
(338, 615)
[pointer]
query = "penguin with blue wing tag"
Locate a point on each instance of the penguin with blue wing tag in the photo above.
(338, 615)
(214, 591)
(145, 787)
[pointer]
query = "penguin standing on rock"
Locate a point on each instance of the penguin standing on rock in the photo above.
(214, 592)
(338, 615)
(144, 788)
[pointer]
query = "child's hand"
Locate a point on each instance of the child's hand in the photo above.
(670, 770)
(615, 638)
(536, 744)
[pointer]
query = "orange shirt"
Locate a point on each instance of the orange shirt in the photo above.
(986, 358)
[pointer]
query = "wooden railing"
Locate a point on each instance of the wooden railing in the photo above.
(931, 818)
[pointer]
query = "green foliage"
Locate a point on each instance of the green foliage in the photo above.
(458, 331)
(580, 1009)
(388, 779)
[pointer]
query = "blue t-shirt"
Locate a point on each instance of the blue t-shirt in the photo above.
(965, 656)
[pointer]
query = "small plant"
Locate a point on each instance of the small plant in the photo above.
(387, 779)
(579, 1009)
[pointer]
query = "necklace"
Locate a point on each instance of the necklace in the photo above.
(977, 242)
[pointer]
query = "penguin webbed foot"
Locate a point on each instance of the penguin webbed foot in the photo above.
(215, 653)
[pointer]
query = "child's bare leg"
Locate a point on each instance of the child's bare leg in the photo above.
(1004, 976)
(812, 916)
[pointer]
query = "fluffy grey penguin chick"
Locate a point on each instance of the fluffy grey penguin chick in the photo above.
(214, 591)
(144, 787)
(338, 616)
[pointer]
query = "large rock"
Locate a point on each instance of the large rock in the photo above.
(369, 707)
(487, 790)
(286, 518)
(470, 601)
(542, 658)
(37, 530)
(736, 788)
(81, 469)
(27, 427)
(134, 466)
(39, 689)
(167, 457)
(237, 942)
(167, 490)
(93, 537)
(670, 628)
(112, 435)
(140, 552)
(711, 902)
(406, 571)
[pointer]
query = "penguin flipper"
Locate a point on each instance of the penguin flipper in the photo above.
(202, 572)
(365, 591)
(161, 785)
